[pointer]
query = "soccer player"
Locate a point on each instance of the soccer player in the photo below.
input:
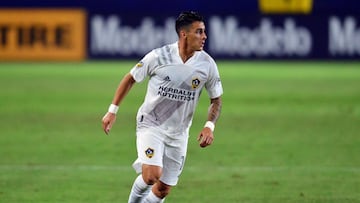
(177, 73)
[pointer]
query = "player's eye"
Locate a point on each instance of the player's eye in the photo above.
(200, 31)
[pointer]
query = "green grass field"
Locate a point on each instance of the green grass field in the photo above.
(289, 132)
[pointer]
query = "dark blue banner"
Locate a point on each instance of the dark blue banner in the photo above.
(232, 36)
(139, 7)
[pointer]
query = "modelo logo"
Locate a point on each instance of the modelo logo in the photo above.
(344, 37)
(265, 40)
(42, 34)
(110, 36)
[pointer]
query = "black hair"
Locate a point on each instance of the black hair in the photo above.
(186, 18)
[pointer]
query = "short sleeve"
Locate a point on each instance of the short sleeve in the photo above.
(213, 85)
(144, 67)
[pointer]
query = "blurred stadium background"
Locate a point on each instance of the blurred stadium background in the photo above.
(289, 130)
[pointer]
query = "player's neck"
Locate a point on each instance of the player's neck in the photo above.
(186, 55)
(185, 52)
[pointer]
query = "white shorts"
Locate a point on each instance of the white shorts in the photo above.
(155, 148)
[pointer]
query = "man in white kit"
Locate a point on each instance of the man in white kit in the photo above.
(177, 73)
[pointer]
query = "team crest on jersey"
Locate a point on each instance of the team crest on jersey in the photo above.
(149, 152)
(140, 64)
(195, 83)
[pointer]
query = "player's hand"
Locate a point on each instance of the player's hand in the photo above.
(206, 137)
(107, 122)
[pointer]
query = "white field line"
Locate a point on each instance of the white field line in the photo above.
(4, 167)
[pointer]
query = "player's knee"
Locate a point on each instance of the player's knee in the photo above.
(161, 189)
(151, 179)
(151, 174)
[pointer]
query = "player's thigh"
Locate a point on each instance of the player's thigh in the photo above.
(173, 162)
(150, 147)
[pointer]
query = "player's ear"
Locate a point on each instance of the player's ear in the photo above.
(183, 33)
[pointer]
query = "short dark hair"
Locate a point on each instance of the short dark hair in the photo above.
(186, 18)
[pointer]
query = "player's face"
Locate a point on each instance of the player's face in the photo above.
(196, 36)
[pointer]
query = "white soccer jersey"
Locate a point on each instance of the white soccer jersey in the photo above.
(174, 87)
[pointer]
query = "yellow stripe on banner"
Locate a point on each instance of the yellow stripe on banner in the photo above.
(42, 34)
(286, 6)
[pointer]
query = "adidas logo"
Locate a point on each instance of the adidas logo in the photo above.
(167, 78)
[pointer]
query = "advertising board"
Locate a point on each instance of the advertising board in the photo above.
(42, 34)
(233, 37)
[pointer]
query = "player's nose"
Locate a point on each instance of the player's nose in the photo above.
(204, 36)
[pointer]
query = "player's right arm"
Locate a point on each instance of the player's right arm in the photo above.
(137, 74)
(124, 87)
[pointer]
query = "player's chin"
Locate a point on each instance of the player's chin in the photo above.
(201, 47)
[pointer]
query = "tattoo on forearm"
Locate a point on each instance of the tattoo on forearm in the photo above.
(214, 109)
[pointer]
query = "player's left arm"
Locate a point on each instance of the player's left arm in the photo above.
(206, 136)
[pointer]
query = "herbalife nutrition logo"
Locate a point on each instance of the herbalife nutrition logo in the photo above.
(176, 94)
